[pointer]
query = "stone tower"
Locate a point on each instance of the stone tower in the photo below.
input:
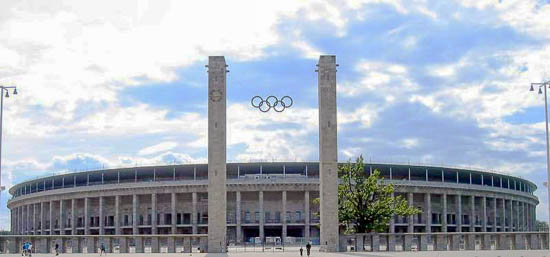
(216, 153)
(328, 152)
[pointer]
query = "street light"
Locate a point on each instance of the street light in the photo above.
(7, 89)
(541, 86)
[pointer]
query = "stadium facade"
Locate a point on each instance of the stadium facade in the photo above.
(263, 200)
(239, 201)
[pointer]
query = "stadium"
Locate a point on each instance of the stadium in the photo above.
(222, 204)
(263, 200)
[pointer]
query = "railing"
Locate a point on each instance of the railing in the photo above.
(112, 243)
(444, 241)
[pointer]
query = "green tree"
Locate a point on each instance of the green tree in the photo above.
(365, 202)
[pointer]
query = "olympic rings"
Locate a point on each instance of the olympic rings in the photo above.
(271, 102)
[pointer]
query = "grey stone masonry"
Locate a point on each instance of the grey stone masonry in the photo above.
(194, 213)
(459, 213)
(61, 217)
(134, 214)
(238, 217)
(444, 215)
(428, 213)
(173, 211)
(153, 213)
(307, 229)
(217, 222)
(101, 215)
(86, 216)
(73, 216)
(262, 213)
(284, 229)
(117, 215)
(328, 153)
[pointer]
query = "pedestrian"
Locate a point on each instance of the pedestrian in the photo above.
(56, 249)
(24, 252)
(30, 249)
(301, 251)
(102, 249)
(308, 248)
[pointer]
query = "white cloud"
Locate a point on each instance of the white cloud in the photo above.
(530, 16)
(410, 143)
(381, 77)
(160, 147)
(271, 135)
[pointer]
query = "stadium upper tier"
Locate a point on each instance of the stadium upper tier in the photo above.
(282, 172)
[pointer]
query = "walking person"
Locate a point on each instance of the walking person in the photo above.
(24, 251)
(308, 248)
(56, 249)
(29, 249)
(301, 251)
(102, 249)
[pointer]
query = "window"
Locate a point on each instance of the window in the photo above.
(125, 220)
(168, 219)
(247, 217)
(257, 217)
(287, 216)
(297, 216)
(267, 216)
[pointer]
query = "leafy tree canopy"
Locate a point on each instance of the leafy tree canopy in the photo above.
(365, 202)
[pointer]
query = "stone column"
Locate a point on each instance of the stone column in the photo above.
(42, 219)
(101, 215)
(87, 216)
(117, 215)
(444, 214)
(135, 229)
(262, 218)
(173, 207)
(511, 224)
(306, 214)
(328, 152)
(494, 214)
(34, 221)
(238, 218)
(61, 217)
(472, 213)
(21, 221)
(194, 214)
(518, 228)
(154, 213)
(27, 223)
(217, 196)
(428, 213)
(459, 213)
(283, 221)
(410, 201)
(484, 208)
(13, 221)
(52, 221)
(73, 217)
(523, 217)
(503, 228)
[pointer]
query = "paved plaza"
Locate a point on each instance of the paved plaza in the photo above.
(525, 253)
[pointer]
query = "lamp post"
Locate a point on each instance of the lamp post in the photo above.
(2, 95)
(541, 86)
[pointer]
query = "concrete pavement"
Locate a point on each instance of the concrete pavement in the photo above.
(519, 253)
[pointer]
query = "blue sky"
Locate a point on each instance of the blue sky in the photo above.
(120, 84)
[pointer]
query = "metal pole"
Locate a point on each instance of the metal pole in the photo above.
(547, 148)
